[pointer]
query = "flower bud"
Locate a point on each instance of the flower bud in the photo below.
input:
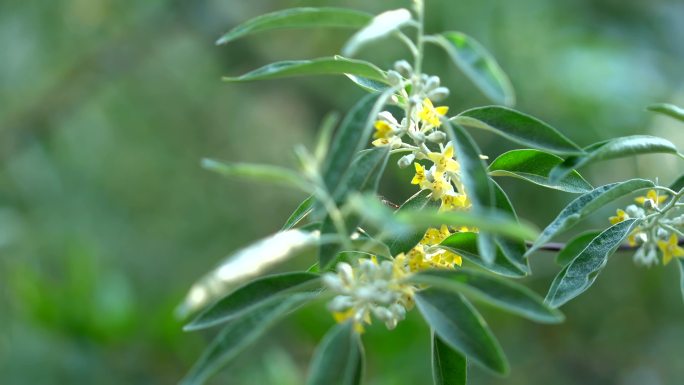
(406, 160)
(403, 67)
(634, 211)
(431, 83)
(394, 78)
(437, 137)
(438, 94)
(662, 233)
(649, 204)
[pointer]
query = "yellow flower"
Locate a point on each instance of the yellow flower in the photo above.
(441, 187)
(382, 130)
(455, 202)
(670, 249)
(420, 178)
(444, 161)
(653, 196)
(620, 216)
(431, 115)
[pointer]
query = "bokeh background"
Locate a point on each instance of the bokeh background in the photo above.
(106, 218)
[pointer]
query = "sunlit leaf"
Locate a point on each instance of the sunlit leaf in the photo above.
(586, 204)
(461, 327)
(449, 367)
(492, 290)
(298, 18)
(578, 275)
(338, 359)
(534, 166)
(518, 127)
(478, 65)
(379, 27)
(614, 148)
(321, 66)
(668, 109)
(256, 293)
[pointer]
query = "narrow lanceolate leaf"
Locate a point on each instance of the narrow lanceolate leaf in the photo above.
(402, 243)
(615, 148)
(254, 294)
(668, 109)
(495, 291)
(461, 327)
(298, 18)
(299, 214)
(238, 335)
(478, 65)
(586, 204)
(574, 247)
(534, 166)
(367, 84)
(513, 249)
(259, 172)
(321, 66)
(518, 127)
(678, 184)
(465, 245)
(681, 275)
(379, 27)
(449, 367)
(477, 184)
(338, 359)
(577, 276)
(246, 263)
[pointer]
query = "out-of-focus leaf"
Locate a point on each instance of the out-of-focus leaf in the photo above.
(298, 18)
(259, 172)
(321, 66)
(534, 166)
(513, 249)
(614, 148)
(518, 127)
(338, 359)
(300, 213)
(574, 247)
(490, 289)
(477, 184)
(678, 184)
(668, 109)
(402, 243)
(379, 27)
(586, 204)
(240, 334)
(461, 327)
(449, 367)
(465, 245)
(367, 84)
(578, 275)
(254, 294)
(478, 65)
(325, 132)
(681, 275)
(246, 263)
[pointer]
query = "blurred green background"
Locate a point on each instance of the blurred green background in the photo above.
(106, 218)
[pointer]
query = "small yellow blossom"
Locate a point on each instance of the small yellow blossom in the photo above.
(670, 249)
(653, 196)
(455, 202)
(420, 178)
(441, 187)
(444, 161)
(430, 114)
(382, 130)
(620, 216)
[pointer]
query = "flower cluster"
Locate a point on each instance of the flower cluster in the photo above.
(656, 234)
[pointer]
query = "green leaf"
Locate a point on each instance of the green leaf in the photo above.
(678, 184)
(574, 247)
(380, 26)
(300, 213)
(260, 172)
(495, 291)
(477, 64)
(401, 242)
(586, 204)
(254, 294)
(614, 148)
(518, 127)
(534, 166)
(681, 274)
(246, 263)
(461, 327)
(339, 358)
(325, 132)
(513, 249)
(320, 66)
(477, 184)
(449, 367)
(367, 84)
(580, 273)
(298, 18)
(465, 245)
(668, 109)
(238, 335)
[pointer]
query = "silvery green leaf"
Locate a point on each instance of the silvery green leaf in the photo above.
(381, 26)
(668, 109)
